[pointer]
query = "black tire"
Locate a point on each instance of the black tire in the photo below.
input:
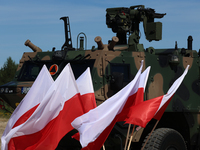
(165, 139)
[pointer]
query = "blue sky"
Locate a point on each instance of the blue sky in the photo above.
(39, 21)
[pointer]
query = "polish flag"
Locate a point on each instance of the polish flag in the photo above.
(137, 95)
(85, 86)
(29, 103)
(153, 108)
(52, 118)
(95, 126)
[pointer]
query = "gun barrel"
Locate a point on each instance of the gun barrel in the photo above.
(113, 42)
(99, 42)
(32, 46)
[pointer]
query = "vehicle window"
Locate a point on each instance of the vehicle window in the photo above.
(30, 70)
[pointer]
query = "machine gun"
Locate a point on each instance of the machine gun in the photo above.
(124, 20)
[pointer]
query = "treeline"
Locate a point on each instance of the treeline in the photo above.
(7, 72)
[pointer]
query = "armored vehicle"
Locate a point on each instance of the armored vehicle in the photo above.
(114, 65)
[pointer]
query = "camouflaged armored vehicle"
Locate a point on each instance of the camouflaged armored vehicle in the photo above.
(114, 65)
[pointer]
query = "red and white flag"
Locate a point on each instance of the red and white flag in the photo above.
(29, 103)
(95, 126)
(85, 87)
(137, 95)
(153, 108)
(52, 118)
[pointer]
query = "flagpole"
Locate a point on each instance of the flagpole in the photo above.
(150, 134)
(129, 144)
(129, 126)
(104, 147)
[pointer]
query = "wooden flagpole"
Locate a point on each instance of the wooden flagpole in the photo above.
(129, 144)
(104, 147)
(129, 126)
(150, 134)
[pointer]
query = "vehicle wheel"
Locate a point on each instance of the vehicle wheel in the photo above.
(165, 139)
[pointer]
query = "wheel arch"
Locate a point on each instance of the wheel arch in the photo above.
(172, 120)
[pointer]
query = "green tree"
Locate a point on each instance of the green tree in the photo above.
(7, 72)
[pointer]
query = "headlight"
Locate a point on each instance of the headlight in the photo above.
(10, 91)
(6, 90)
(1, 90)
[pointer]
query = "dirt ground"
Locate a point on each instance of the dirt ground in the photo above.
(3, 123)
